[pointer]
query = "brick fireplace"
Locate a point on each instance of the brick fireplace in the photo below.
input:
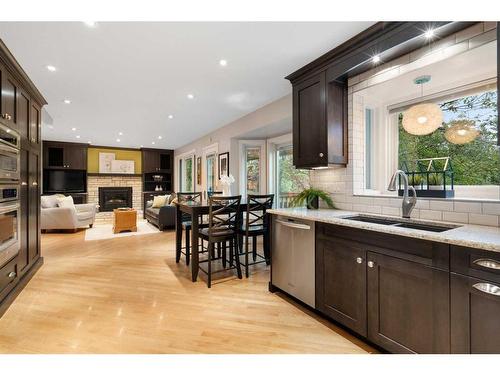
(95, 182)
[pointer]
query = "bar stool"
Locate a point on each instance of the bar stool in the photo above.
(188, 197)
(223, 223)
(256, 224)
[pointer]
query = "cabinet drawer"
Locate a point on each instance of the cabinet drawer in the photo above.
(8, 274)
(476, 263)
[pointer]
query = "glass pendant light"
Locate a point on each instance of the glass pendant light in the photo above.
(461, 132)
(424, 118)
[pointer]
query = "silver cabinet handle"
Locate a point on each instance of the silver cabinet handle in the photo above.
(11, 275)
(34, 183)
(488, 288)
(370, 264)
(24, 183)
(359, 260)
(293, 225)
(321, 154)
(488, 263)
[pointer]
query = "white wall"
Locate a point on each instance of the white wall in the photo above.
(227, 136)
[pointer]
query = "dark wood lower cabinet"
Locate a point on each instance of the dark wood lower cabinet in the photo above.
(341, 282)
(408, 306)
(475, 316)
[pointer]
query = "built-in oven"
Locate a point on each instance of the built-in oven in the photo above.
(9, 137)
(9, 230)
(9, 163)
(9, 193)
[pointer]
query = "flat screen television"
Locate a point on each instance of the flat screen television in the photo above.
(55, 181)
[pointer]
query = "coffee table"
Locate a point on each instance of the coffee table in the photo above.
(124, 220)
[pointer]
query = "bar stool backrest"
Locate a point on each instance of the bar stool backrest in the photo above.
(188, 197)
(257, 206)
(223, 214)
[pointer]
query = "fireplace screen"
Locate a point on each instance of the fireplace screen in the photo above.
(114, 197)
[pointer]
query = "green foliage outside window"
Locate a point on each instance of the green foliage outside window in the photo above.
(474, 163)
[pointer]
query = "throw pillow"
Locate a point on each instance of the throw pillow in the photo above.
(159, 201)
(66, 202)
(173, 201)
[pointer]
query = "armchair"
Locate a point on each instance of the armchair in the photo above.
(68, 218)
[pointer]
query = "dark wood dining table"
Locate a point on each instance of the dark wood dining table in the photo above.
(196, 210)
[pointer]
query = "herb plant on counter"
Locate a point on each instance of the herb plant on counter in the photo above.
(310, 198)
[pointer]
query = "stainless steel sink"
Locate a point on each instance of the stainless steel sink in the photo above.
(403, 223)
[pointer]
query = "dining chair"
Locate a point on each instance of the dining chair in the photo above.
(187, 197)
(224, 219)
(255, 225)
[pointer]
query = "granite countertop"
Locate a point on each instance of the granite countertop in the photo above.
(476, 236)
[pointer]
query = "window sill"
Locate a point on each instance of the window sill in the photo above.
(454, 199)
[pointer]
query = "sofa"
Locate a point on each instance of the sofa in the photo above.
(162, 217)
(71, 217)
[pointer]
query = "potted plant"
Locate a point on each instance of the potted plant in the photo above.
(310, 197)
(415, 180)
(435, 182)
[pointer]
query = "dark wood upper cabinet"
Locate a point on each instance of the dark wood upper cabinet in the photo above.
(64, 155)
(319, 122)
(309, 123)
(35, 124)
(408, 306)
(154, 160)
(23, 114)
(9, 90)
(341, 282)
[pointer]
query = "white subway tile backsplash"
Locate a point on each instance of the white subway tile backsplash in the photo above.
(431, 215)
(478, 219)
(441, 205)
(474, 207)
(456, 217)
(491, 208)
(391, 211)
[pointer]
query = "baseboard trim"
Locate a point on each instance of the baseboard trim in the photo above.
(7, 301)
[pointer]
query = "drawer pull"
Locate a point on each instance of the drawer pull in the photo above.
(359, 260)
(371, 264)
(487, 288)
(11, 275)
(488, 263)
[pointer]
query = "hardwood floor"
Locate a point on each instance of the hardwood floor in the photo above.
(127, 295)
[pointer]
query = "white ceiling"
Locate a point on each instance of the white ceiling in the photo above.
(129, 76)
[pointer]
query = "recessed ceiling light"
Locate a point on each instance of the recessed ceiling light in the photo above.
(159, 137)
(429, 33)
(77, 136)
(74, 129)
(89, 142)
(142, 146)
(50, 126)
(190, 96)
(153, 142)
(117, 139)
(67, 101)
(170, 117)
(223, 62)
(51, 68)
(376, 59)
(90, 23)
(120, 133)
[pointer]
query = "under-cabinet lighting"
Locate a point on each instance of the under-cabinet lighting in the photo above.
(376, 59)
(429, 33)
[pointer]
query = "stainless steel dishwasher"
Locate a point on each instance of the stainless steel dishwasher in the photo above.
(293, 257)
